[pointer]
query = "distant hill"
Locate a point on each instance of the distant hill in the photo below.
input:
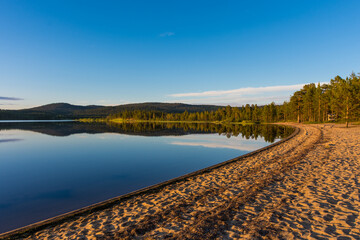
(62, 107)
(68, 111)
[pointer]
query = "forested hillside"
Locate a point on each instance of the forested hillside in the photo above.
(68, 111)
(338, 100)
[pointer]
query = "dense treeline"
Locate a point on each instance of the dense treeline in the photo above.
(226, 114)
(338, 100)
(247, 113)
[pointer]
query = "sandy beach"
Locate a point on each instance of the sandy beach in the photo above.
(305, 188)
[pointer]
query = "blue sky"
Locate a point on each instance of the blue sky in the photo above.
(213, 52)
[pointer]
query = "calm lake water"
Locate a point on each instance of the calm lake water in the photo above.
(49, 168)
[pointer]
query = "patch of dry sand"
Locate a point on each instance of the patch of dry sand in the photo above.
(305, 188)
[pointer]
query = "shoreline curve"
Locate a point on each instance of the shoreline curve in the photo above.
(38, 226)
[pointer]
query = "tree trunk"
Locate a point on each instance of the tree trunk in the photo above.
(347, 112)
(319, 110)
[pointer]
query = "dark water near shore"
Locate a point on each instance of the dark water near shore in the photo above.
(49, 168)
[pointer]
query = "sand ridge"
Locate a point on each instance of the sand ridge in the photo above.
(305, 188)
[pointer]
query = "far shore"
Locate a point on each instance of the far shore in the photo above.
(120, 120)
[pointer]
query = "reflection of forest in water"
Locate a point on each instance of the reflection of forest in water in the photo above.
(253, 131)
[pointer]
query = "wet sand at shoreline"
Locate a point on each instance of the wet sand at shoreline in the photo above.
(305, 188)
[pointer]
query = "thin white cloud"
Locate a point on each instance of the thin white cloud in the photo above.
(239, 96)
(10, 98)
(167, 34)
(234, 101)
(249, 90)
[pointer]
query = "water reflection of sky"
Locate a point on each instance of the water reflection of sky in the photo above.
(214, 141)
(42, 176)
